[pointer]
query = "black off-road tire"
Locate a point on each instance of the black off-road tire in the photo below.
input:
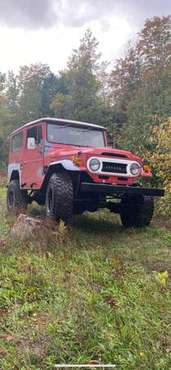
(59, 197)
(17, 200)
(137, 211)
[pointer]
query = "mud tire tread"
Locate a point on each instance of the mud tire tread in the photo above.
(137, 212)
(60, 184)
(20, 197)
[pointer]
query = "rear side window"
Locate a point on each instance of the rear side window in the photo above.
(36, 133)
(17, 142)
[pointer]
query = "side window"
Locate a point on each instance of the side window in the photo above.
(36, 133)
(17, 142)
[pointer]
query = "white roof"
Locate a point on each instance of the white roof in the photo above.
(56, 120)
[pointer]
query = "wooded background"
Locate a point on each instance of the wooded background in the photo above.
(132, 99)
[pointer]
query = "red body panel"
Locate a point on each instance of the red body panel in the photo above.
(60, 152)
(32, 166)
(31, 163)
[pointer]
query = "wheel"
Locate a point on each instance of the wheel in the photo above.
(59, 197)
(136, 211)
(16, 198)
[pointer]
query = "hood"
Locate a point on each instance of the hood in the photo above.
(69, 150)
(113, 153)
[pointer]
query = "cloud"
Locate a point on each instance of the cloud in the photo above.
(31, 14)
(34, 14)
(134, 10)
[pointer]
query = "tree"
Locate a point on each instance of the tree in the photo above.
(148, 56)
(141, 84)
(12, 91)
(36, 86)
(125, 79)
(80, 100)
(154, 45)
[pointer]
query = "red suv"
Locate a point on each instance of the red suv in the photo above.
(69, 167)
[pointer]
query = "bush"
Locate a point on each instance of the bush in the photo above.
(161, 160)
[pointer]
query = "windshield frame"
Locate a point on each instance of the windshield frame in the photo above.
(77, 126)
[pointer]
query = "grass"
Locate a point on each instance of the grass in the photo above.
(89, 293)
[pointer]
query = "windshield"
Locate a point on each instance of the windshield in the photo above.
(72, 135)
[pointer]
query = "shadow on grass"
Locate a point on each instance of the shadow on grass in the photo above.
(93, 224)
(99, 222)
(34, 210)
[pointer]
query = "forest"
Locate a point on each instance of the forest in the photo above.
(131, 96)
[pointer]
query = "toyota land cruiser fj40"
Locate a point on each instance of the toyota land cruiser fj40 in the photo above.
(68, 167)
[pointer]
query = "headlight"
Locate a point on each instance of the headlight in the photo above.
(135, 169)
(94, 164)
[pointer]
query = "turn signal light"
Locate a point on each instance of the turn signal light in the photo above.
(146, 168)
(76, 161)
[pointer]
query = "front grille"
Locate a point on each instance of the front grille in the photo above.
(114, 167)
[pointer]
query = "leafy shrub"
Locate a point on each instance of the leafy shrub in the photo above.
(161, 160)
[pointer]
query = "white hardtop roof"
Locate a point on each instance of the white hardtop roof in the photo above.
(56, 120)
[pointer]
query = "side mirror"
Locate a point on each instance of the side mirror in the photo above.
(31, 143)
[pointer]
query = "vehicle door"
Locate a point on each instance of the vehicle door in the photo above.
(15, 154)
(32, 163)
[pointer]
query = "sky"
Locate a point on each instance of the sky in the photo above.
(47, 31)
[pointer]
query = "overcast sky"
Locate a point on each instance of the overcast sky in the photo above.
(47, 30)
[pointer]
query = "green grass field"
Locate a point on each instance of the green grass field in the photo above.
(90, 293)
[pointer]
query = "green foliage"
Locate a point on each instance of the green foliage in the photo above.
(31, 84)
(6, 124)
(161, 160)
(80, 101)
(141, 84)
(84, 79)
(141, 91)
(25, 97)
(12, 91)
(151, 105)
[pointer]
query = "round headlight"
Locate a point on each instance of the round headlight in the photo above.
(135, 169)
(94, 164)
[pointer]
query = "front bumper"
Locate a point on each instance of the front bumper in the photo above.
(119, 191)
